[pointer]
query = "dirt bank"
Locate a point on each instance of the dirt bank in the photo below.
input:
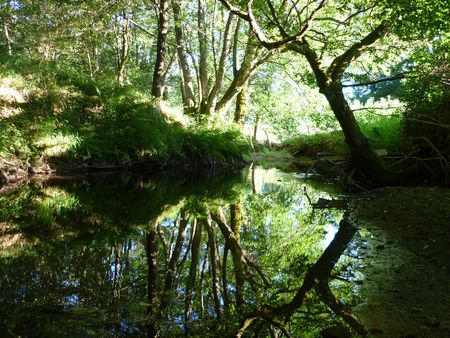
(405, 261)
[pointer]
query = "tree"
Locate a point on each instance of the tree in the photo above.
(309, 29)
(159, 73)
(221, 50)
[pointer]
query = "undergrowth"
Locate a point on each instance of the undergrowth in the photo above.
(76, 119)
(383, 132)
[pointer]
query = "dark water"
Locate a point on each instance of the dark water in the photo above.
(173, 256)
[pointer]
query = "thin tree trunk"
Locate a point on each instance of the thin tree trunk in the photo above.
(187, 83)
(8, 39)
(88, 56)
(153, 329)
(226, 297)
(190, 282)
(124, 49)
(202, 67)
(236, 224)
(174, 257)
(255, 129)
(213, 264)
(159, 72)
(200, 285)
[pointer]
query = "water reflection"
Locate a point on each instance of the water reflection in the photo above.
(173, 256)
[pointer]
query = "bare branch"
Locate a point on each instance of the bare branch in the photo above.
(249, 16)
(369, 83)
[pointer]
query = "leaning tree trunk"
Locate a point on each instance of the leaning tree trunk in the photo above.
(361, 150)
(329, 83)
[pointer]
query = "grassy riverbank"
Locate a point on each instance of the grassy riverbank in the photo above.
(60, 120)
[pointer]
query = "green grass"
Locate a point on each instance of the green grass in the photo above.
(383, 132)
(84, 121)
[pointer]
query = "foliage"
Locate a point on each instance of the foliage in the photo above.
(310, 145)
(382, 131)
(421, 18)
(77, 118)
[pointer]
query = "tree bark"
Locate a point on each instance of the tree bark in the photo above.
(123, 45)
(241, 106)
(159, 73)
(202, 67)
(187, 83)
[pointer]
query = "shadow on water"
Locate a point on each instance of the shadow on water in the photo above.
(203, 255)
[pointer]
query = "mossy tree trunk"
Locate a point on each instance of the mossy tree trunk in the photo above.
(241, 105)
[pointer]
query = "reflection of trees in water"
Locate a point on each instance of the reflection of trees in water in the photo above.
(204, 266)
(249, 289)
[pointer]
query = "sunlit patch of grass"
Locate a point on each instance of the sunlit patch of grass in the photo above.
(8, 111)
(16, 82)
(57, 144)
(11, 95)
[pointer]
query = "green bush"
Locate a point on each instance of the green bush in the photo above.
(310, 145)
(383, 132)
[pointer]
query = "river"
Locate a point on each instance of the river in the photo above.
(209, 254)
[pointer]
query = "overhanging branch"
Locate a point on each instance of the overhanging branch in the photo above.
(340, 63)
(369, 83)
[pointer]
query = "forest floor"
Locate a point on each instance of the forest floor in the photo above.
(405, 261)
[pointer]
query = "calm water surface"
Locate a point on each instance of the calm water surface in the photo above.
(175, 256)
